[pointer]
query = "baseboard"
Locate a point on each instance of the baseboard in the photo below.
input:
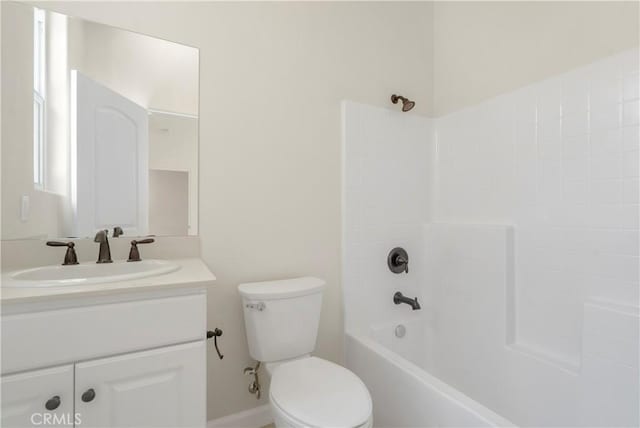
(252, 418)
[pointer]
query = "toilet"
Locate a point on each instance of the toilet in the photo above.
(281, 319)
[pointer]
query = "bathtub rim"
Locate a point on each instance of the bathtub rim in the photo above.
(439, 386)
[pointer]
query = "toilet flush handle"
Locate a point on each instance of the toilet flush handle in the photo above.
(259, 306)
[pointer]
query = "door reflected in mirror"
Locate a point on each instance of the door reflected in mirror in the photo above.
(103, 129)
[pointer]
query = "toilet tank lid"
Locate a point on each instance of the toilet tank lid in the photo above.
(281, 289)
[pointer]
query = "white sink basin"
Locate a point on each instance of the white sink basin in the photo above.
(87, 273)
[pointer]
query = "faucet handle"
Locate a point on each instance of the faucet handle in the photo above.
(143, 241)
(70, 257)
(134, 253)
(398, 260)
(401, 261)
(59, 244)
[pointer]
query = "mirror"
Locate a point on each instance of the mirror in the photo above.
(99, 129)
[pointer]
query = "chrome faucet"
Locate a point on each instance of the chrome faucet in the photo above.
(104, 255)
(399, 298)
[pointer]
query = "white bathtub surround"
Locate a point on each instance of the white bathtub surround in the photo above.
(609, 371)
(385, 203)
(527, 267)
(559, 161)
(470, 274)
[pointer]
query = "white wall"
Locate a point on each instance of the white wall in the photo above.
(485, 48)
(272, 78)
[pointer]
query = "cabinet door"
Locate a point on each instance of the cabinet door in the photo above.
(38, 398)
(162, 387)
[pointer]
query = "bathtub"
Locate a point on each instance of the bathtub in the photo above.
(404, 394)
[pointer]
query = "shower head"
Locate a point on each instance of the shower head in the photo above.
(406, 103)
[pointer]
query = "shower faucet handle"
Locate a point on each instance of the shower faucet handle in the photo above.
(398, 260)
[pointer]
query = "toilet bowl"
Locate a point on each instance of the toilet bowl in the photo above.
(313, 392)
(281, 319)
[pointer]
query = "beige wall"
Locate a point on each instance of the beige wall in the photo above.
(482, 49)
(272, 77)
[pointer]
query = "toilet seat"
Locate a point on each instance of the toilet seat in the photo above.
(318, 393)
(283, 420)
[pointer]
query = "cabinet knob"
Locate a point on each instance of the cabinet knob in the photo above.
(52, 403)
(88, 395)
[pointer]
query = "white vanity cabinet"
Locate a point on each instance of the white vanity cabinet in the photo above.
(120, 361)
(162, 387)
(28, 396)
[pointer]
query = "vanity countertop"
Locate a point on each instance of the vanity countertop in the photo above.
(192, 273)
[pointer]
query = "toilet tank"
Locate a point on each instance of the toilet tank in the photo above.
(281, 317)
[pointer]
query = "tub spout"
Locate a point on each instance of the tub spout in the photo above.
(399, 298)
